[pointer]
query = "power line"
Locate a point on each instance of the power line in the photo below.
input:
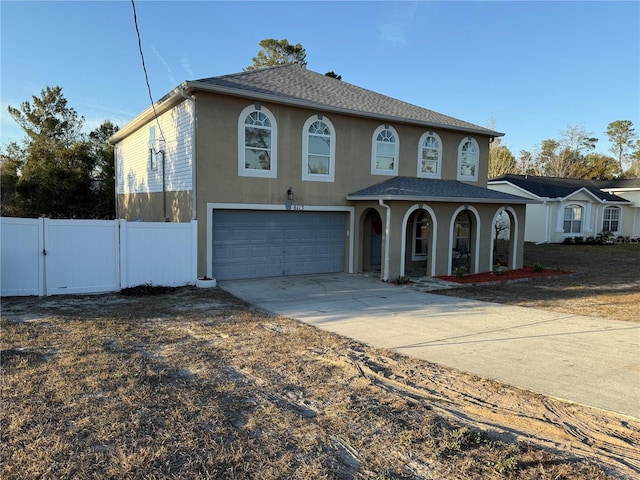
(146, 75)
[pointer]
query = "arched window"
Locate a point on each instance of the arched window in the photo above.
(385, 146)
(611, 220)
(468, 159)
(257, 143)
(319, 150)
(572, 219)
(429, 155)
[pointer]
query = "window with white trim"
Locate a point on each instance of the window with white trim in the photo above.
(257, 143)
(611, 219)
(468, 159)
(318, 150)
(572, 219)
(429, 155)
(385, 146)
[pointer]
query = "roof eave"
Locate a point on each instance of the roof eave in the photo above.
(518, 187)
(158, 108)
(196, 85)
(189, 86)
(425, 199)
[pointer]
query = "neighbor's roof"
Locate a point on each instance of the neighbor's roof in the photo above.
(555, 187)
(296, 85)
(433, 190)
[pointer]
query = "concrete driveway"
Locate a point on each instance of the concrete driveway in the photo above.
(587, 360)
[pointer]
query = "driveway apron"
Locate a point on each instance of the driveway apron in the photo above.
(587, 360)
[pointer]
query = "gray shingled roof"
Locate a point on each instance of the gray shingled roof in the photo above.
(555, 187)
(433, 190)
(294, 84)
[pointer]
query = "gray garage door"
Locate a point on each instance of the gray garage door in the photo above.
(252, 244)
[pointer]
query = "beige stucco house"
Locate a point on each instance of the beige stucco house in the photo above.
(288, 171)
(570, 208)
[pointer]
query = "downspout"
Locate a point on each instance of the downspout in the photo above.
(194, 211)
(387, 228)
(164, 189)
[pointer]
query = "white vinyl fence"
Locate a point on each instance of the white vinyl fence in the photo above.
(50, 257)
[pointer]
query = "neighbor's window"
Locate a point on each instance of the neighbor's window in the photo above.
(611, 219)
(468, 159)
(318, 143)
(429, 155)
(257, 143)
(385, 148)
(572, 219)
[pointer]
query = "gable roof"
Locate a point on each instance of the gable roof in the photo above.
(433, 190)
(295, 85)
(559, 188)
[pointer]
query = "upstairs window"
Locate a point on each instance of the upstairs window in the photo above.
(572, 219)
(257, 143)
(429, 155)
(318, 144)
(468, 159)
(384, 147)
(611, 219)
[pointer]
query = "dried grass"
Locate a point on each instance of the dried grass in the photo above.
(194, 384)
(608, 285)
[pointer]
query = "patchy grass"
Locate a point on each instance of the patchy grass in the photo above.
(194, 384)
(608, 285)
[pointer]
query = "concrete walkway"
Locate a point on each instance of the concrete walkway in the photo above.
(587, 360)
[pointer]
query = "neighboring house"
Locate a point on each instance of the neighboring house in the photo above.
(575, 208)
(288, 171)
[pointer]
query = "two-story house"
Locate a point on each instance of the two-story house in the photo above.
(288, 171)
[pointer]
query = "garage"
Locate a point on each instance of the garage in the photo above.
(253, 244)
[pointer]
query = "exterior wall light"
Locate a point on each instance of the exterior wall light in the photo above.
(289, 202)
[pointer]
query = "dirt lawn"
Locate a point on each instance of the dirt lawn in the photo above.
(195, 384)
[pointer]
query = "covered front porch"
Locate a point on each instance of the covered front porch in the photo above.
(438, 227)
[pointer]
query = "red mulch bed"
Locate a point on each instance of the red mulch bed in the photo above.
(522, 274)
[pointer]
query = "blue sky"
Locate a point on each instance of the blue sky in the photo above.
(533, 67)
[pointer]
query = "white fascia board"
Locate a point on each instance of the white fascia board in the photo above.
(612, 191)
(523, 190)
(585, 190)
(165, 103)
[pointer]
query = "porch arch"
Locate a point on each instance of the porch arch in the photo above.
(434, 236)
(370, 241)
(476, 234)
(513, 236)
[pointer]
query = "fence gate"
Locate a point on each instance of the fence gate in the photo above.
(50, 257)
(80, 256)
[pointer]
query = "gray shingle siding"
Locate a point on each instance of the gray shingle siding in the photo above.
(297, 85)
(426, 189)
